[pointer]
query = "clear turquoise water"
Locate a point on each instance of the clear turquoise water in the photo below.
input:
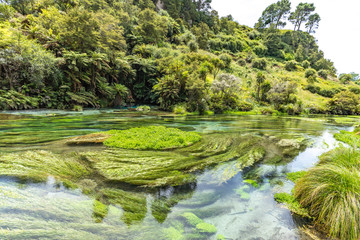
(50, 211)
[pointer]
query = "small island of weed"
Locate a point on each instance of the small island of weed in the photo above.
(152, 137)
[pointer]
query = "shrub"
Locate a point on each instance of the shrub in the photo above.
(355, 90)
(305, 64)
(225, 93)
(290, 65)
(345, 78)
(260, 50)
(193, 46)
(310, 73)
(323, 73)
(260, 63)
(241, 62)
(344, 103)
(153, 137)
(226, 58)
(245, 106)
(331, 193)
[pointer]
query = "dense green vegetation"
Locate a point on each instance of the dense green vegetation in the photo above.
(176, 54)
(153, 137)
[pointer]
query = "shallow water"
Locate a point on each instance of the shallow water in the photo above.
(237, 209)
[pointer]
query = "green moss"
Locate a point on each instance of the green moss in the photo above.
(100, 211)
(292, 204)
(251, 182)
(153, 137)
(207, 228)
(173, 234)
(191, 218)
(294, 176)
(220, 237)
(244, 192)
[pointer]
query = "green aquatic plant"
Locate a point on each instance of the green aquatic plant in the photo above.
(331, 192)
(191, 218)
(291, 203)
(294, 176)
(100, 211)
(207, 228)
(39, 165)
(152, 137)
(220, 237)
(173, 234)
(244, 192)
(251, 182)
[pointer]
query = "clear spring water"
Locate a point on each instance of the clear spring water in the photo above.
(50, 211)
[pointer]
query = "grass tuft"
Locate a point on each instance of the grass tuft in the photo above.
(331, 192)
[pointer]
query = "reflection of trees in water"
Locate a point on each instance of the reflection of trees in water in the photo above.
(167, 198)
(134, 204)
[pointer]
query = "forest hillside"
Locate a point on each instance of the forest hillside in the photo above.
(178, 55)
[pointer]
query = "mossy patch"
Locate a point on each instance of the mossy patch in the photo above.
(244, 192)
(207, 228)
(292, 204)
(191, 218)
(100, 211)
(152, 137)
(294, 176)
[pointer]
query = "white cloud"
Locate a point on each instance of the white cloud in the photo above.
(338, 35)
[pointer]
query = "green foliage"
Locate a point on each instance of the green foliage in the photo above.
(260, 63)
(193, 46)
(191, 218)
(345, 78)
(330, 191)
(153, 137)
(344, 103)
(207, 228)
(225, 93)
(282, 93)
(295, 176)
(39, 165)
(291, 203)
(100, 211)
(351, 138)
(310, 73)
(291, 65)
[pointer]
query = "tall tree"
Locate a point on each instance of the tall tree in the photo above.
(313, 23)
(274, 14)
(301, 14)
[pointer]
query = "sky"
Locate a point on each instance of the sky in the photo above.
(338, 34)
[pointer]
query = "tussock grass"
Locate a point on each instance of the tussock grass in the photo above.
(331, 193)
